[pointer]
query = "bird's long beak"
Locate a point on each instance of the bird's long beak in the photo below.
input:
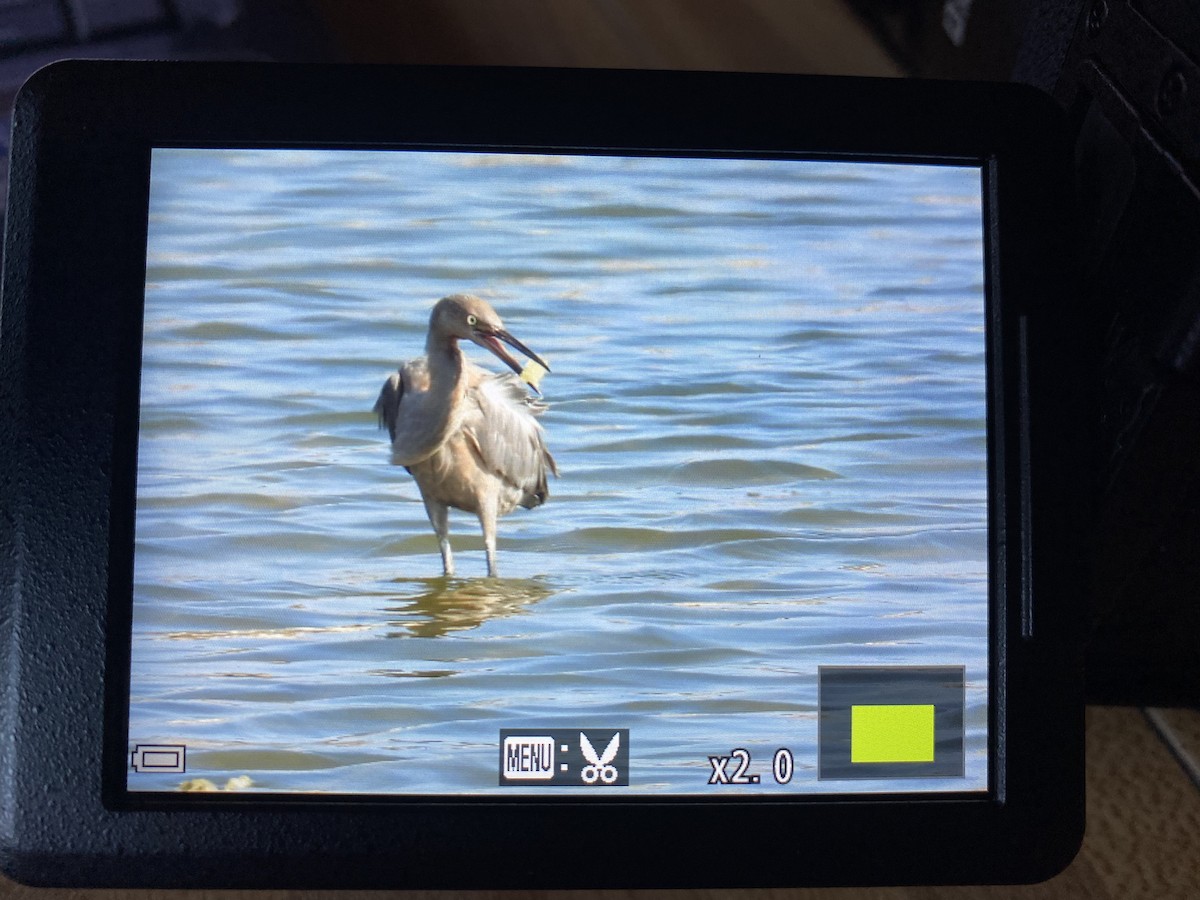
(491, 340)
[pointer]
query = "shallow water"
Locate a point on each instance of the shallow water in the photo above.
(767, 406)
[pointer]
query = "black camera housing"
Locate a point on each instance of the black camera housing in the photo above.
(74, 276)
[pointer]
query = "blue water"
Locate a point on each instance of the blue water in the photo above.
(767, 405)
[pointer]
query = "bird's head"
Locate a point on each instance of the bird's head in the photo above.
(470, 318)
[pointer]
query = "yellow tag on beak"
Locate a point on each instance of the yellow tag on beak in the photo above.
(532, 374)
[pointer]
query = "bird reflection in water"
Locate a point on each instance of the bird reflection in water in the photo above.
(454, 604)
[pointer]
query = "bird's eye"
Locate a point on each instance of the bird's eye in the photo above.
(471, 320)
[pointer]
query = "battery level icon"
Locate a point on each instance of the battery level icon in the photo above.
(170, 758)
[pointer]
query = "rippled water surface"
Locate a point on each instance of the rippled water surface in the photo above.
(767, 406)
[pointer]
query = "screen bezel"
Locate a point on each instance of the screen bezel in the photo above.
(85, 134)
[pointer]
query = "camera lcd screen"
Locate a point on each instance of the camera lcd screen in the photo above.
(761, 569)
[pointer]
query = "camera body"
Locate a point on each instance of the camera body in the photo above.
(806, 583)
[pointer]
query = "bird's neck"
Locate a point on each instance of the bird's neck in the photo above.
(436, 412)
(447, 385)
(445, 361)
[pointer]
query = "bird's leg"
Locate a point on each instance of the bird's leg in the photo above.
(439, 518)
(487, 521)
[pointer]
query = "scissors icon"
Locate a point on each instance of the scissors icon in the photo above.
(600, 766)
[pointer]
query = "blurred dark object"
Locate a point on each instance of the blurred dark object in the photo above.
(34, 33)
(816, 36)
(1126, 71)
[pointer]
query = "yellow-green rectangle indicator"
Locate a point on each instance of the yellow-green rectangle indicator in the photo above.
(891, 734)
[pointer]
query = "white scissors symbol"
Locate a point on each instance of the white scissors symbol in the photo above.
(600, 766)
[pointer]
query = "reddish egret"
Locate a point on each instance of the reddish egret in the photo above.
(468, 437)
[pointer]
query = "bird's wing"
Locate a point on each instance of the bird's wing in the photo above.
(387, 407)
(500, 422)
(414, 373)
